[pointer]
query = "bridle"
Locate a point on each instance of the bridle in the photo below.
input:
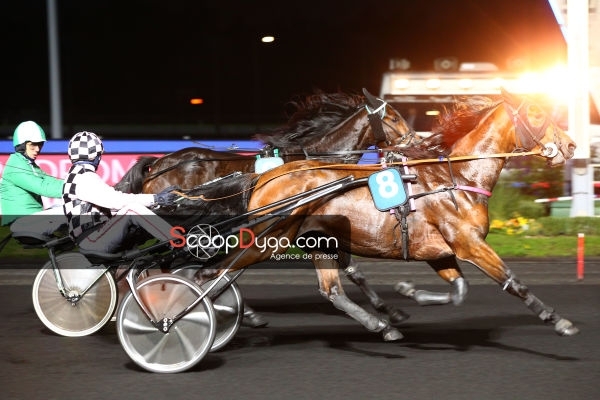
(527, 136)
(376, 118)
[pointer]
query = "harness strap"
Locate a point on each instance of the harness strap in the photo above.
(402, 223)
(526, 138)
(409, 187)
(464, 187)
(474, 189)
(454, 184)
(378, 109)
(377, 127)
(404, 211)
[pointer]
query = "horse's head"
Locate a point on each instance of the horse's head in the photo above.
(534, 129)
(381, 114)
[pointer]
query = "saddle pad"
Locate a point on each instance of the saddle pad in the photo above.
(387, 189)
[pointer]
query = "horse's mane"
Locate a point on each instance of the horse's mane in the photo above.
(212, 202)
(451, 125)
(312, 115)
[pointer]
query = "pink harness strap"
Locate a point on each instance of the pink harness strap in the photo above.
(474, 189)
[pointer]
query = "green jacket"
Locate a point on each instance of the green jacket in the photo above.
(22, 186)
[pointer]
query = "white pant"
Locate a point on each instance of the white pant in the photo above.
(110, 236)
(44, 223)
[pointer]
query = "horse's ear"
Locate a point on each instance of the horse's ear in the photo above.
(509, 97)
(373, 101)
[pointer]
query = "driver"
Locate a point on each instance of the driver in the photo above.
(24, 183)
(100, 217)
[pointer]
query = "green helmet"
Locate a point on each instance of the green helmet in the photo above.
(28, 131)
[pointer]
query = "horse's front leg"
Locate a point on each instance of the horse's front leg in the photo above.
(357, 277)
(486, 259)
(330, 287)
(448, 269)
(562, 326)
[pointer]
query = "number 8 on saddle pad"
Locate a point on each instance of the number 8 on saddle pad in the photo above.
(387, 189)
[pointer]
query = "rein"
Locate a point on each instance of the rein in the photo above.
(460, 158)
(201, 197)
(376, 167)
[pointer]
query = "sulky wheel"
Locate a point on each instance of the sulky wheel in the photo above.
(187, 340)
(229, 306)
(75, 313)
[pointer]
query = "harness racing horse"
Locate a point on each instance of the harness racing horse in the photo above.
(457, 168)
(334, 127)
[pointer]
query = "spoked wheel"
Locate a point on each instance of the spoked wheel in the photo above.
(229, 306)
(77, 313)
(188, 339)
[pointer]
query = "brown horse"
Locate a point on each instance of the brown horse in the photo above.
(456, 169)
(332, 126)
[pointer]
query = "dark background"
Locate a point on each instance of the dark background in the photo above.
(140, 61)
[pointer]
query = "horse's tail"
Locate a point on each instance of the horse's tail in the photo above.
(133, 180)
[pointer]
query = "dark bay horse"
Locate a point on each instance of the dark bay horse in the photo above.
(457, 168)
(331, 126)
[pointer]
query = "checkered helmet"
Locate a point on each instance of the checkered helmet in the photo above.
(85, 146)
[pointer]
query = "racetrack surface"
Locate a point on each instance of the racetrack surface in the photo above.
(491, 347)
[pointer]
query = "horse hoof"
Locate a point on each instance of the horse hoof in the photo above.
(254, 321)
(405, 288)
(392, 334)
(564, 327)
(397, 316)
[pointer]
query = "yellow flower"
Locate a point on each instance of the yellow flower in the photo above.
(497, 224)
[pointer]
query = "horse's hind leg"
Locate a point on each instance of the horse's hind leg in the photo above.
(253, 319)
(447, 269)
(250, 318)
(331, 288)
(355, 275)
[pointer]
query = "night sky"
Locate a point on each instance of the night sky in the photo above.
(139, 61)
